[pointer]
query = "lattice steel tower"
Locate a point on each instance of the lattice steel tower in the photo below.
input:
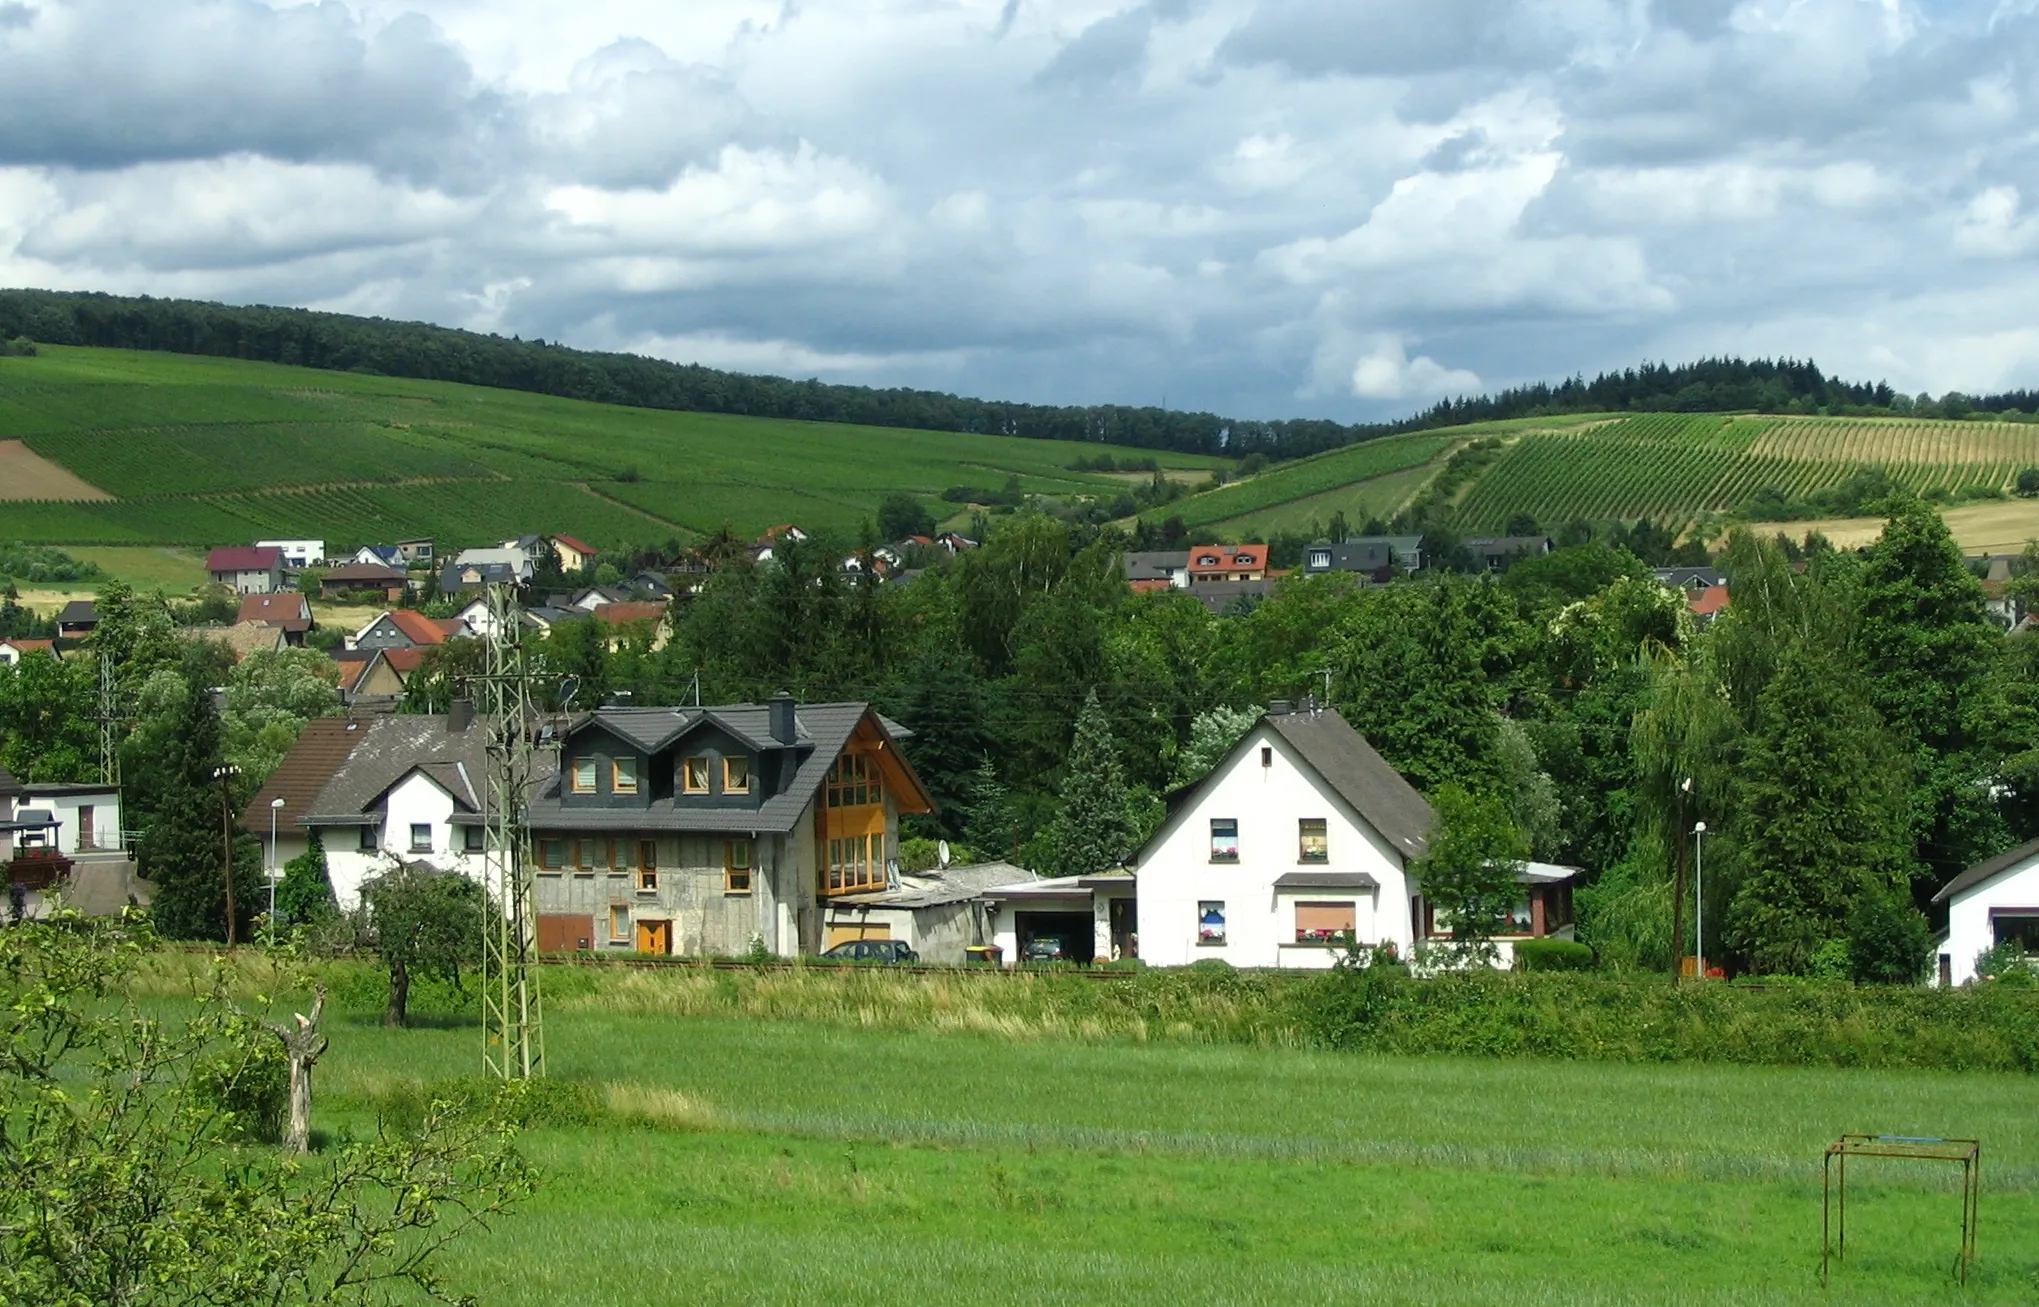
(513, 1031)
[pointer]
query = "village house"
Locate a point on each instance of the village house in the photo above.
(1156, 569)
(1496, 553)
(1208, 563)
(392, 583)
(14, 649)
(1300, 839)
(86, 815)
(467, 573)
(1377, 557)
(572, 555)
(297, 554)
(77, 619)
(1994, 902)
(417, 551)
(697, 830)
(380, 556)
(375, 679)
(649, 617)
(246, 569)
(286, 611)
(406, 628)
(761, 549)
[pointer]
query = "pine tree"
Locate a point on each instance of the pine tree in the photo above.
(305, 894)
(989, 824)
(1093, 830)
(183, 852)
(1817, 812)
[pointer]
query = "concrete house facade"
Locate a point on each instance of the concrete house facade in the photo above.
(247, 569)
(697, 830)
(406, 789)
(87, 816)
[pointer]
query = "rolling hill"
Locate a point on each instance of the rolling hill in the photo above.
(1673, 468)
(121, 448)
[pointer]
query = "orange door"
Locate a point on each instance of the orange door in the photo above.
(654, 937)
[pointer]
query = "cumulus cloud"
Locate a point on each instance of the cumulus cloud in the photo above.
(1265, 207)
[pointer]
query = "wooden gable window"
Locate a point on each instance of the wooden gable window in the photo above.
(623, 776)
(1313, 840)
(581, 776)
(647, 864)
(855, 863)
(737, 856)
(694, 775)
(736, 775)
(854, 847)
(853, 782)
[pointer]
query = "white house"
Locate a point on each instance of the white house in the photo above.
(87, 816)
(1994, 902)
(1301, 837)
(297, 553)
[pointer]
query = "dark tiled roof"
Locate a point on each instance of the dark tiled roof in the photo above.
(1153, 564)
(1988, 868)
(78, 612)
(821, 731)
(1217, 596)
(371, 573)
(320, 749)
(1361, 776)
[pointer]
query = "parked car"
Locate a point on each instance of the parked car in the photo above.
(892, 951)
(1043, 948)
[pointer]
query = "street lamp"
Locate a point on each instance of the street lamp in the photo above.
(1699, 896)
(275, 872)
(223, 773)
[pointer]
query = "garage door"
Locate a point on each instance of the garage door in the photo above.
(843, 931)
(565, 933)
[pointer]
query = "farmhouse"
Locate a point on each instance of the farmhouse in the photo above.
(1208, 563)
(286, 611)
(699, 830)
(13, 649)
(572, 554)
(247, 569)
(406, 628)
(1302, 836)
(351, 578)
(1994, 902)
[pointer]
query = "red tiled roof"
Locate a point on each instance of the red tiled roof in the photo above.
(29, 646)
(1708, 601)
(1152, 585)
(277, 609)
(1255, 556)
(420, 628)
(404, 661)
(618, 614)
(243, 558)
(579, 547)
(452, 626)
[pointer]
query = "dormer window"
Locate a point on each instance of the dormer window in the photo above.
(694, 775)
(1243, 560)
(582, 776)
(623, 776)
(1320, 558)
(1208, 560)
(736, 775)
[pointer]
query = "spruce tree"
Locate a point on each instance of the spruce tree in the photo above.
(1094, 828)
(1817, 813)
(183, 852)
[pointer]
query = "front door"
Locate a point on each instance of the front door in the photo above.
(85, 840)
(654, 937)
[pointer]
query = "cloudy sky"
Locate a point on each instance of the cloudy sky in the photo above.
(1262, 207)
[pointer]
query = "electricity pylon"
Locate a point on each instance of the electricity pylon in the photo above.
(513, 1030)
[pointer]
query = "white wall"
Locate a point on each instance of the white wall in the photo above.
(415, 799)
(1968, 923)
(64, 807)
(1177, 873)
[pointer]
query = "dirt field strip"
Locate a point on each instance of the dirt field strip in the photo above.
(25, 474)
(1996, 527)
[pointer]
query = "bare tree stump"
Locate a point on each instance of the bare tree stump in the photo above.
(303, 1045)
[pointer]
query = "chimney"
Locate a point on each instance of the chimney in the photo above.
(781, 708)
(1277, 707)
(459, 716)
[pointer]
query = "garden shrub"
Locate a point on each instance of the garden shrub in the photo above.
(1552, 955)
(249, 1084)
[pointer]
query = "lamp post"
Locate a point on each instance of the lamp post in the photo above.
(223, 774)
(275, 872)
(1699, 896)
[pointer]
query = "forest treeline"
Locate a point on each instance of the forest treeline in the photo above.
(419, 350)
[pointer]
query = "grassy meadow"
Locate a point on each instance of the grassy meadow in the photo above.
(787, 1139)
(201, 451)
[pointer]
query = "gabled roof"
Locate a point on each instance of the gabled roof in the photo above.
(1228, 556)
(1153, 564)
(389, 554)
(417, 627)
(376, 574)
(618, 614)
(1988, 869)
(388, 749)
(246, 638)
(28, 646)
(1707, 602)
(286, 608)
(78, 612)
(821, 730)
(1361, 776)
(243, 558)
(578, 546)
(321, 747)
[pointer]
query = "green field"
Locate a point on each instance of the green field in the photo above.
(764, 1143)
(203, 451)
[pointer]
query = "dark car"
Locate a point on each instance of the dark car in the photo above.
(873, 950)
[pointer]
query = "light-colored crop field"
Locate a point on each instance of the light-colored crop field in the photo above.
(204, 451)
(25, 474)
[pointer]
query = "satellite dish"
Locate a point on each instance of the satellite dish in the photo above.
(568, 688)
(942, 854)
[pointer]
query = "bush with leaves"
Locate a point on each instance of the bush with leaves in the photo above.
(121, 1180)
(1469, 872)
(420, 922)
